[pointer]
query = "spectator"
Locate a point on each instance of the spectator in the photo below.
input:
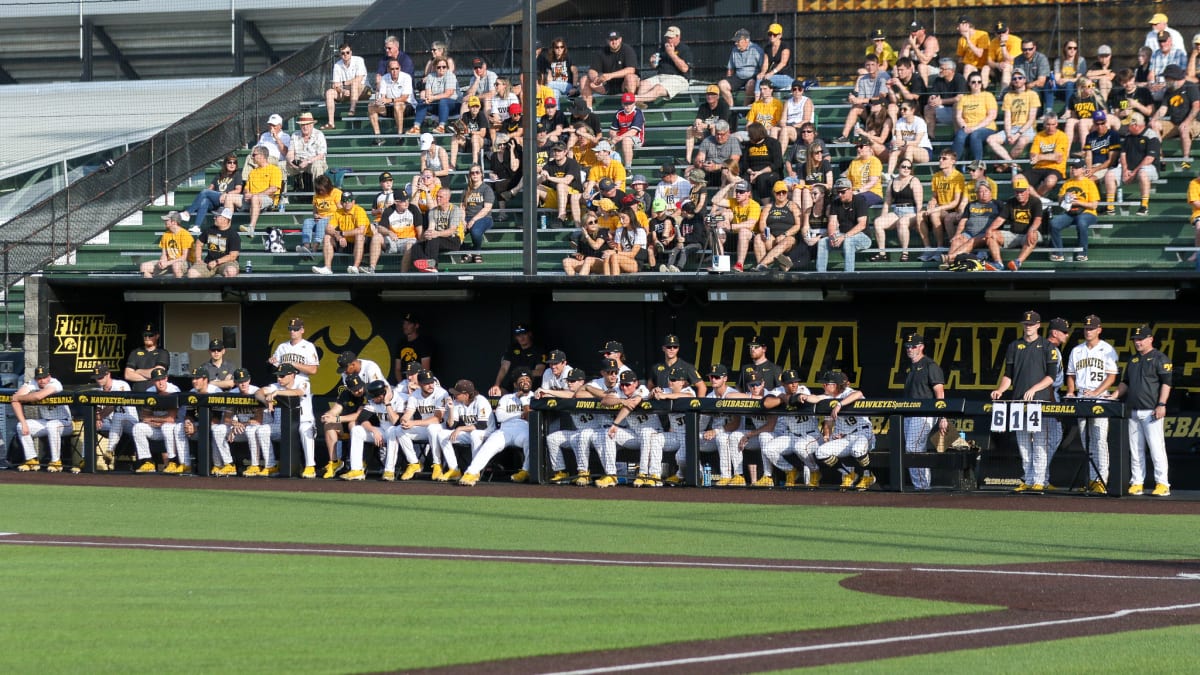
(1079, 199)
(972, 48)
(560, 184)
(815, 180)
(397, 230)
(1193, 67)
(975, 116)
(1068, 68)
(1140, 152)
(215, 252)
(974, 228)
(922, 48)
(882, 50)
(394, 92)
(745, 63)
(1102, 150)
(1168, 53)
(1020, 119)
(910, 141)
(628, 128)
(615, 73)
(438, 50)
(326, 199)
(554, 121)
(694, 233)
(224, 190)
(477, 202)
(906, 85)
(434, 157)
(945, 207)
(778, 62)
(473, 131)
(1101, 72)
(349, 82)
(847, 212)
(713, 108)
(306, 158)
(607, 168)
(1002, 53)
(1177, 114)
(629, 245)
(797, 111)
(482, 85)
(764, 161)
(1023, 215)
(902, 202)
(347, 232)
(1080, 107)
(743, 219)
(590, 129)
(441, 86)
(977, 171)
(719, 155)
(671, 188)
(1193, 199)
(502, 100)
(872, 87)
(780, 225)
(673, 69)
(1158, 24)
(264, 186)
(663, 235)
(391, 52)
(766, 109)
(1048, 155)
(176, 244)
(698, 181)
(1127, 98)
(385, 197)
(866, 174)
(1141, 72)
(877, 129)
(1038, 75)
(944, 93)
(275, 140)
(554, 65)
(443, 232)
(424, 189)
(592, 246)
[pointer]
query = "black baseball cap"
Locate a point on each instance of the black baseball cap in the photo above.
(1060, 324)
(613, 346)
(789, 376)
(354, 383)
(296, 323)
(519, 373)
(100, 372)
(556, 356)
(756, 341)
(412, 318)
(411, 367)
(376, 388)
(628, 376)
(1092, 321)
(285, 369)
(149, 329)
(241, 375)
(345, 359)
(677, 373)
(425, 376)
(198, 373)
(42, 371)
(609, 365)
(159, 373)
(671, 341)
(520, 328)
(216, 344)
(718, 370)
(1142, 332)
(1030, 318)
(914, 339)
(833, 377)
(576, 375)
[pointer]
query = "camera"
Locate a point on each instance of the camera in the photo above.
(713, 219)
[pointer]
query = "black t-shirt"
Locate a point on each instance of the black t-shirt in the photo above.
(659, 374)
(611, 62)
(1028, 362)
(603, 238)
(216, 243)
(915, 85)
(141, 359)
(569, 167)
(766, 371)
(226, 183)
(351, 404)
(955, 87)
(922, 376)
(1179, 101)
(847, 214)
(1144, 376)
(591, 120)
(1118, 98)
(556, 71)
(759, 156)
(666, 65)
(1020, 216)
(552, 122)
(721, 111)
(519, 358)
(409, 351)
(694, 230)
(1138, 147)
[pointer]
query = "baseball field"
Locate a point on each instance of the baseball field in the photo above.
(162, 574)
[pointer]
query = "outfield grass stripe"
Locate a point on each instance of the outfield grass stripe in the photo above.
(858, 644)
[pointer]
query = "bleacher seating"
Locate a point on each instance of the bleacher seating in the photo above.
(1120, 242)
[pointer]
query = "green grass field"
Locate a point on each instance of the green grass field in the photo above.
(99, 610)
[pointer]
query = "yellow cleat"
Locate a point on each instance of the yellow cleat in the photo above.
(171, 467)
(54, 467)
(1037, 487)
(215, 471)
(1096, 488)
(184, 469)
(330, 470)
(521, 476)
(30, 465)
(337, 465)
(410, 471)
(639, 481)
(1022, 487)
(560, 477)
(1161, 490)
(865, 482)
(389, 476)
(722, 482)
(309, 471)
(437, 472)
(849, 479)
(354, 474)
(146, 467)
(252, 471)
(469, 479)
(653, 481)
(452, 474)
(269, 471)
(737, 481)
(231, 470)
(1135, 489)
(606, 481)
(584, 479)
(814, 479)
(765, 481)
(791, 478)
(674, 480)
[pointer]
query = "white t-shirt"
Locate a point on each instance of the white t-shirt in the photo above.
(345, 73)
(400, 87)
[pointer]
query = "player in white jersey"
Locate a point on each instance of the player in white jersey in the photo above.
(222, 460)
(246, 424)
(297, 351)
(161, 423)
(51, 422)
(115, 421)
(753, 432)
(375, 418)
(1091, 372)
(512, 416)
(367, 370)
(628, 435)
(554, 378)
(655, 442)
(586, 426)
(289, 383)
(422, 421)
(796, 434)
(846, 436)
(715, 429)
(467, 424)
(608, 384)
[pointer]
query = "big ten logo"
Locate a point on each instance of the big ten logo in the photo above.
(810, 348)
(971, 354)
(90, 338)
(333, 327)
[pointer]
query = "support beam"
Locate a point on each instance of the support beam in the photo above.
(261, 42)
(5, 77)
(239, 49)
(115, 52)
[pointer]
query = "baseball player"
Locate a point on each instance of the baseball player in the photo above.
(340, 413)
(797, 434)
(113, 420)
(222, 460)
(1060, 332)
(924, 380)
(41, 421)
(468, 422)
(299, 352)
(1030, 366)
(512, 417)
(763, 368)
(845, 436)
(161, 423)
(758, 430)
(422, 421)
(660, 371)
(220, 373)
(349, 364)
(580, 438)
(714, 431)
(630, 396)
(374, 419)
(616, 351)
(605, 386)
(1145, 386)
(288, 383)
(555, 376)
(655, 442)
(141, 362)
(246, 424)
(1091, 372)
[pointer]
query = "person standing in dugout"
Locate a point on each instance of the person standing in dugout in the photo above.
(924, 380)
(1145, 386)
(1030, 367)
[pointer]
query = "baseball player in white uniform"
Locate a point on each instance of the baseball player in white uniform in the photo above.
(654, 442)
(606, 386)
(716, 429)
(513, 430)
(297, 351)
(374, 419)
(116, 421)
(1091, 373)
(422, 421)
(51, 422)
(755, 431)
(367, 370)
(630, 395)
(554, 378)
(289, 383)
(586, 426)
(222, 460)
(161, 424)
(924, 380)
(468, 422)
(846, 436)
(796, 434)
(246, 424)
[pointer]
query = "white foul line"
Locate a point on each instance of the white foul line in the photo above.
(866, 643)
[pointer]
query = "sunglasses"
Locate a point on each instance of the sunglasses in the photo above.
(1026, 49)
(1072, 47)
(976, 82)
(346, 53)
(906, 166)
(475, 173)
(440, 67)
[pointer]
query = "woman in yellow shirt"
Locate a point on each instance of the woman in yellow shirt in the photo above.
(976, 117)
(325, 202)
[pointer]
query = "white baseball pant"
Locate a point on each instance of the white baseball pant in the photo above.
(308, 441)
(443, 447)
(496, 442)
(52, 430)
(1032, 445)
(623, 437)
(803, 447)
(654, 443)
(916, 439)
(1147, 432)
(170, 433)
(116, 425)
(1094, 434)
(220, 444)
(359, 436)
(580, 441)
(734, 454)
(406, 437)
(853, 446)
(258, 439)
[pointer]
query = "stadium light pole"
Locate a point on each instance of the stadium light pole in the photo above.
(529, 153)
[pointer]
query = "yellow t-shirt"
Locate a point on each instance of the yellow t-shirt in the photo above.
(975, 108)
(743, 212)
(263, 177)
(586, 157)
(947, 189)
(1012, 46)
(862, 171)
(1021, 107)
(887, 58)
(323, 207)
(981, 40)
(767, 113)
(356, 218)
(176, 244)
(1044, 143)
(1084, 189)
(615, 170)
(543, 93)
(1193, 195)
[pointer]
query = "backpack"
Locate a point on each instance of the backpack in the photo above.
(273, 242)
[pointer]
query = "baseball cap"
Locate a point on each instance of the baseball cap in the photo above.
(476, 62)
(580, 108)
(285, 369)
(1173, 72)
(780, 186)
(628, 200)
(514, 109)
(296, 323)
(1030, 318)
(963, 18)
(658, 205)
(878, 34)
(1001, 27)
(386, 175)
(556, 356)
(742, 186)
(159, 373)
(426, 140)
(520, 328)
(842, 184)
(345, 359)
(241, 375)
(473, 100)
(226, 213)
(42, 371)
(401, 196)
(712, 89)
(915, 26)
(789, 376)
(677, 373)
(1075, 163)
(741, 33)
(99, 372)
(149, 329)
(425, 376)
(216, 344)
(1196, 39)
(607, 184)
(354, 382)
(756, 341)
(697, 176)
(602, 146)
(376, 388)
(347, 197)
(576, 375)
(518, 374)
(638, 178)
(411, 368)
(1159, 18)
(463, 387)
(411, 317)
(1105, 50)
(666, 168)
(914, 339)
(198, 373)
(551, 102)
(275, 119)
(672, 31)
(1142, 332)
(614, 34)
(1099, 116)
(671, 341)
(1020, 182)
(171, 215)
(613, 346)
(628, 376)
(1163, 36)
(833, 377)
(627, 98)
(1092, 321)
(609, 365)
(976, 165)
(775, 29)
(718, 370)
(1060, 324)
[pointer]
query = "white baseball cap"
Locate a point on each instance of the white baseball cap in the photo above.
(426, 140)
(275, 119)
